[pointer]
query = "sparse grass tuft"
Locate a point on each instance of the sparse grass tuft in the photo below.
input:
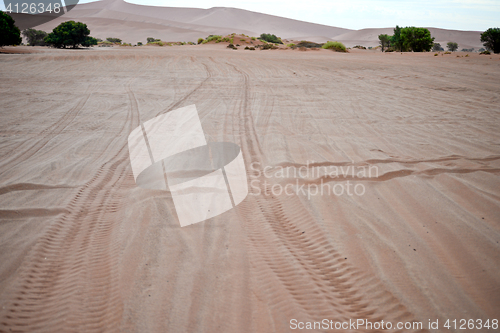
(335, 46)
(485, 52)
(215, 38)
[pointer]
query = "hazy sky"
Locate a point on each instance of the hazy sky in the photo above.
(359, 14)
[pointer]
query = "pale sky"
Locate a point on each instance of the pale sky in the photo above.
(358, 14)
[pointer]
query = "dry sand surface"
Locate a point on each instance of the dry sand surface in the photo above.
(83, 249)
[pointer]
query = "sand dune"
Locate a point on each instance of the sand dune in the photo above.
(133, 23)
(82, 248)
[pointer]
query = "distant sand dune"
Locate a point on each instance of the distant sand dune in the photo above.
(133, 23)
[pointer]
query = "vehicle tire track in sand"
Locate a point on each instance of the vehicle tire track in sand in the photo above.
(69, 280)
(47, 134)
(195, 89)
(287, 245)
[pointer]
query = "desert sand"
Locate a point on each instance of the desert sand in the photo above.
(84, 249)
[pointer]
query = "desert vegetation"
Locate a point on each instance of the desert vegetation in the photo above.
(491, 39)
(335, 46)
(437, 47)
(452, 46)
(408, 39)
(34, 37)
(70, 34)
(9, 32)
(270, 38)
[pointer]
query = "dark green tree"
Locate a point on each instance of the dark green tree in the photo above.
(9, 33)
(70, 34)
(396, 41)
(452, 46)
(384, 41)
(35, 37)
(491, 39)
(416, 39)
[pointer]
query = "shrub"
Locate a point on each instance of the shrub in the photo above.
(72, 34)
(211, 38)
(491, 39)
(200, 40)
(359, 47)
(269, 47)
(158, 42)
(447, 52)
(250, 48)
(271, 38)
(435, 54)
(114, 40)
(485, 52)
(292, 45)
(150, 40)
(335, 46)
(390, 49)
(437, 47)
(242, 39)
(253, 38)
(35, 37)
(308, 45)
(139, 43)
(452, 46)
(9, 33)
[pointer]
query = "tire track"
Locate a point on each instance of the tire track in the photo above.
(288, 245)
(47, 135)
(69, 280)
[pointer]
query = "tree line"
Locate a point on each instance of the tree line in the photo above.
(73, 34)
(413, 39)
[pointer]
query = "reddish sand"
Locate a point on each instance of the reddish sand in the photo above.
(83, 249)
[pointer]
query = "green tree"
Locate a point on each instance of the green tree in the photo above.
(396, 41)
(150, 39)
(452, 46)
(72, 34)
(35, 37)
(416, 39)
(9, 33)
(384, 41)
(491, 39)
